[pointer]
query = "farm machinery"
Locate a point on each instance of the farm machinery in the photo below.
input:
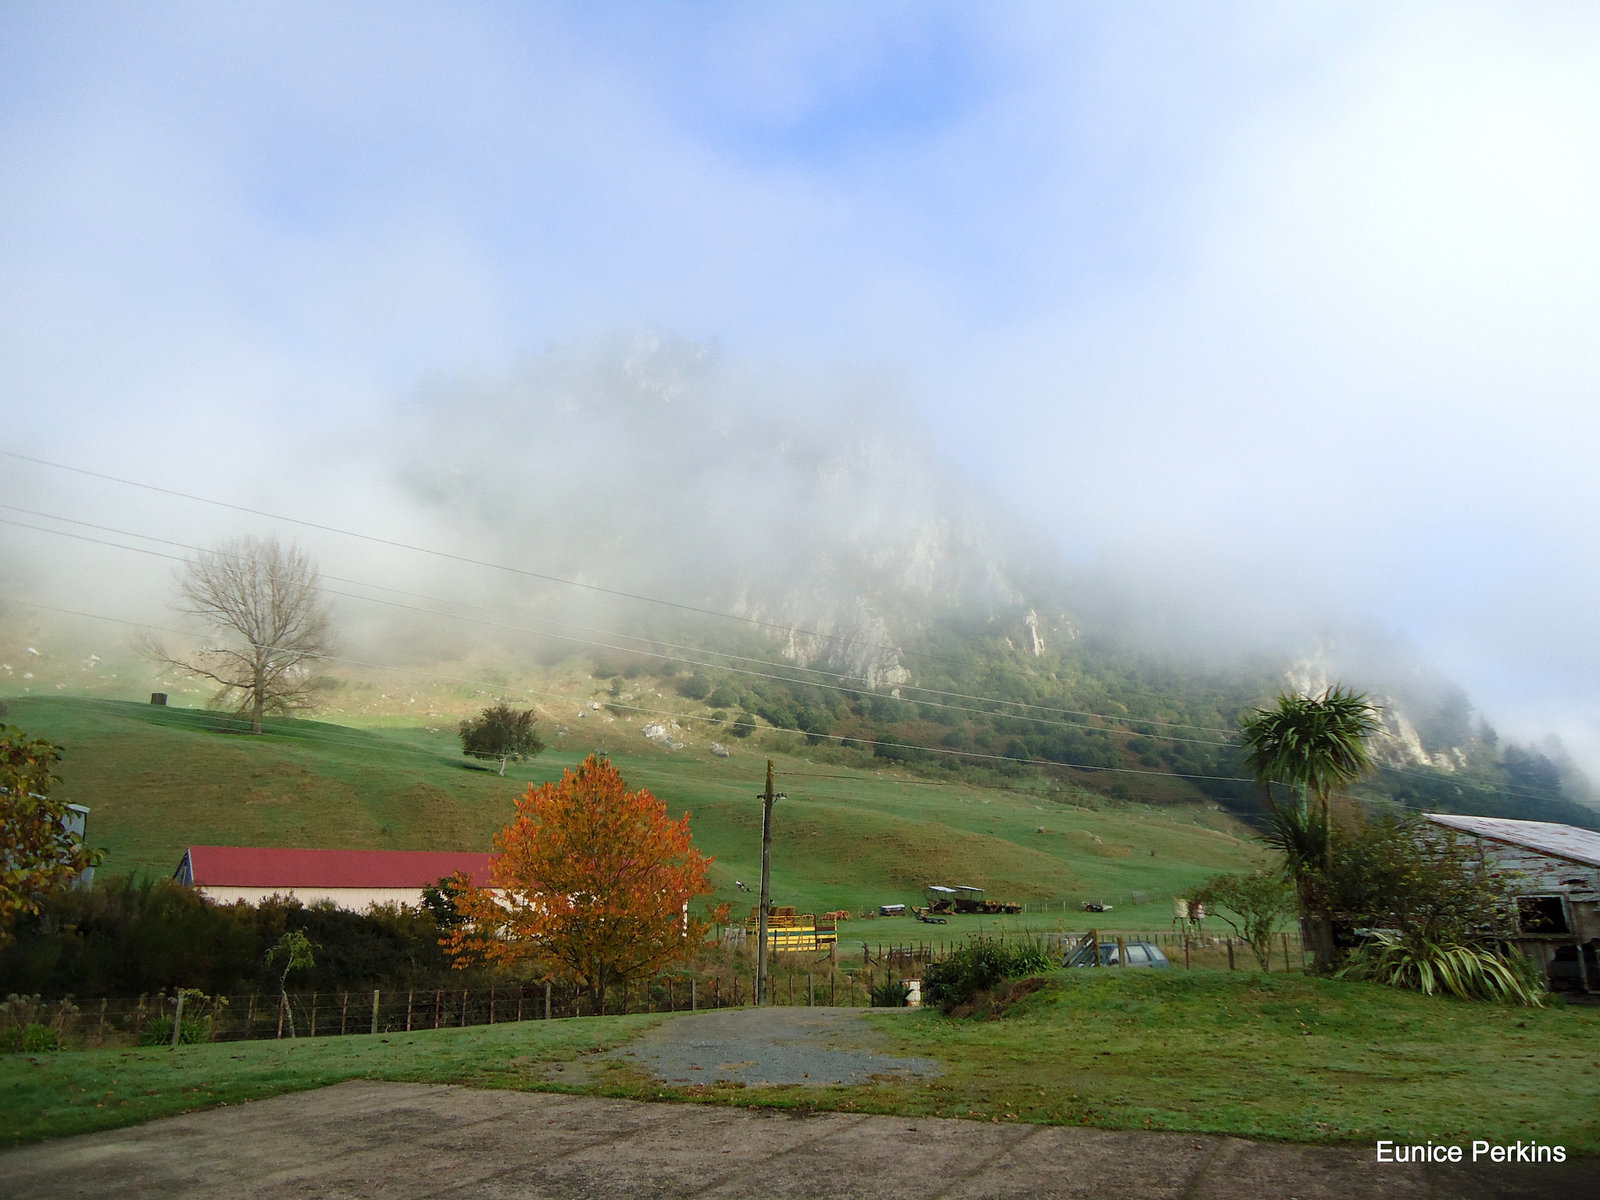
(943, 901)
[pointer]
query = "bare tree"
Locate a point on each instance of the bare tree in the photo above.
(264, 598)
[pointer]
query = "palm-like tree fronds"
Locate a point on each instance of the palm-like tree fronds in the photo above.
(1314, 742)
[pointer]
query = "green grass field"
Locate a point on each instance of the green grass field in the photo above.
(1277, 1056)
(160, 779)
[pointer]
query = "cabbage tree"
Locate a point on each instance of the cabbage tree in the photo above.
(1312, 744)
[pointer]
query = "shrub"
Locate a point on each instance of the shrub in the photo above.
(1466, 972)
(744, 726)
(722, 697)
(694, 687)
(159, 1032)
(31, 1038)
(1028, 957)
(976, 966)
(891, 993)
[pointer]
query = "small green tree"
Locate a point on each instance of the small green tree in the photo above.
(1404, 873)
(501, 732)
(1257, 900)
(294, 950)
(1313, 744)
(440, 901)
(38, 851)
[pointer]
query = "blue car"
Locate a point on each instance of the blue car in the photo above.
(1140, 954)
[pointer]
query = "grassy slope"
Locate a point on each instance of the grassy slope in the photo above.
(158, 780)
(1263, 1056)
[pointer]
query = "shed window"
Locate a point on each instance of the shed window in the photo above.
(1541, 914)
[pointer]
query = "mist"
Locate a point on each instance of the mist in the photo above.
(1262, 333)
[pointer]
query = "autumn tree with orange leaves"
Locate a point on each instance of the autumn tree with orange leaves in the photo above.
(590, 879)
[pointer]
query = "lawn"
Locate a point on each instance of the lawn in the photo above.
(57, 1094)
(1273, 1056)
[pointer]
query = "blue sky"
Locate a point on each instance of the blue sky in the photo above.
(1286, 309)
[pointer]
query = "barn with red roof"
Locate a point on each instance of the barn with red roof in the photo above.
(351, 879)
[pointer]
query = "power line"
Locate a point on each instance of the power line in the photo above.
(1504, 789)
(1510, 790)
(452, 557)
(635, 650)
(465, 559)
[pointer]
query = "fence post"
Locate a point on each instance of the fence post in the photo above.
(1186, 952)
(811, 991)
(100, 1034)
(1230, 954)
(374, 1010)
(250, 1016)
(313, 1014)
(463, 1008)
(546, 999)
(693, 996)
(1286, 966)
(177, 1020)
(409, 995)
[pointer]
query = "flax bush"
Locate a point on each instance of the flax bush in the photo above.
(1464, 971)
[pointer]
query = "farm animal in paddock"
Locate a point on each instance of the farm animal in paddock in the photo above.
(842, 914)
(741, 885)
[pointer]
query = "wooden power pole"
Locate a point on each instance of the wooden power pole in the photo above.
(768, 798)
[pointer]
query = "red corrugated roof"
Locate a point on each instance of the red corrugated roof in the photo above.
(255, 866)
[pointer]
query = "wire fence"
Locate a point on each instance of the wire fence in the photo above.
(844, 976)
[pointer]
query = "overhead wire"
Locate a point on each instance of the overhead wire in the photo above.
(468, 560)
(1124, 720)
(683, 657)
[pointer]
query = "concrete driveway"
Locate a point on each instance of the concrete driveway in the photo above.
(400, 1141)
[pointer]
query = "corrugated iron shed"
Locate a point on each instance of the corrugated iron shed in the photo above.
(256, 866)
(1547, 837)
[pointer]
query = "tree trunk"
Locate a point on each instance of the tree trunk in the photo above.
(1317, 930)
(258, 702)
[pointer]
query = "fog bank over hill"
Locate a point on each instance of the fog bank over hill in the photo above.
(661, 467)
(666, 468)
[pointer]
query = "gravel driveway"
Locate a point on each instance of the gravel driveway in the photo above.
(808, 1047)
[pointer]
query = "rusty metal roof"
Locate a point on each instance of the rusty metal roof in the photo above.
(1547, 837)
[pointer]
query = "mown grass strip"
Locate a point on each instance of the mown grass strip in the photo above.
(1281, 1056)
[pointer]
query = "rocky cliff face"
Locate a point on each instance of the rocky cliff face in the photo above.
(658, 467)
(1397, 742)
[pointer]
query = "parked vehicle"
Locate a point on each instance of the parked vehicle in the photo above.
(1140, 954)
(943, 900)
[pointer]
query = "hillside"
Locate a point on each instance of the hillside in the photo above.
(157, 780)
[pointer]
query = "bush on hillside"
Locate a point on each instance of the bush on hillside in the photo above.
(694, 687)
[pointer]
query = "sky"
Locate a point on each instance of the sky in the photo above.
(1283, 313)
